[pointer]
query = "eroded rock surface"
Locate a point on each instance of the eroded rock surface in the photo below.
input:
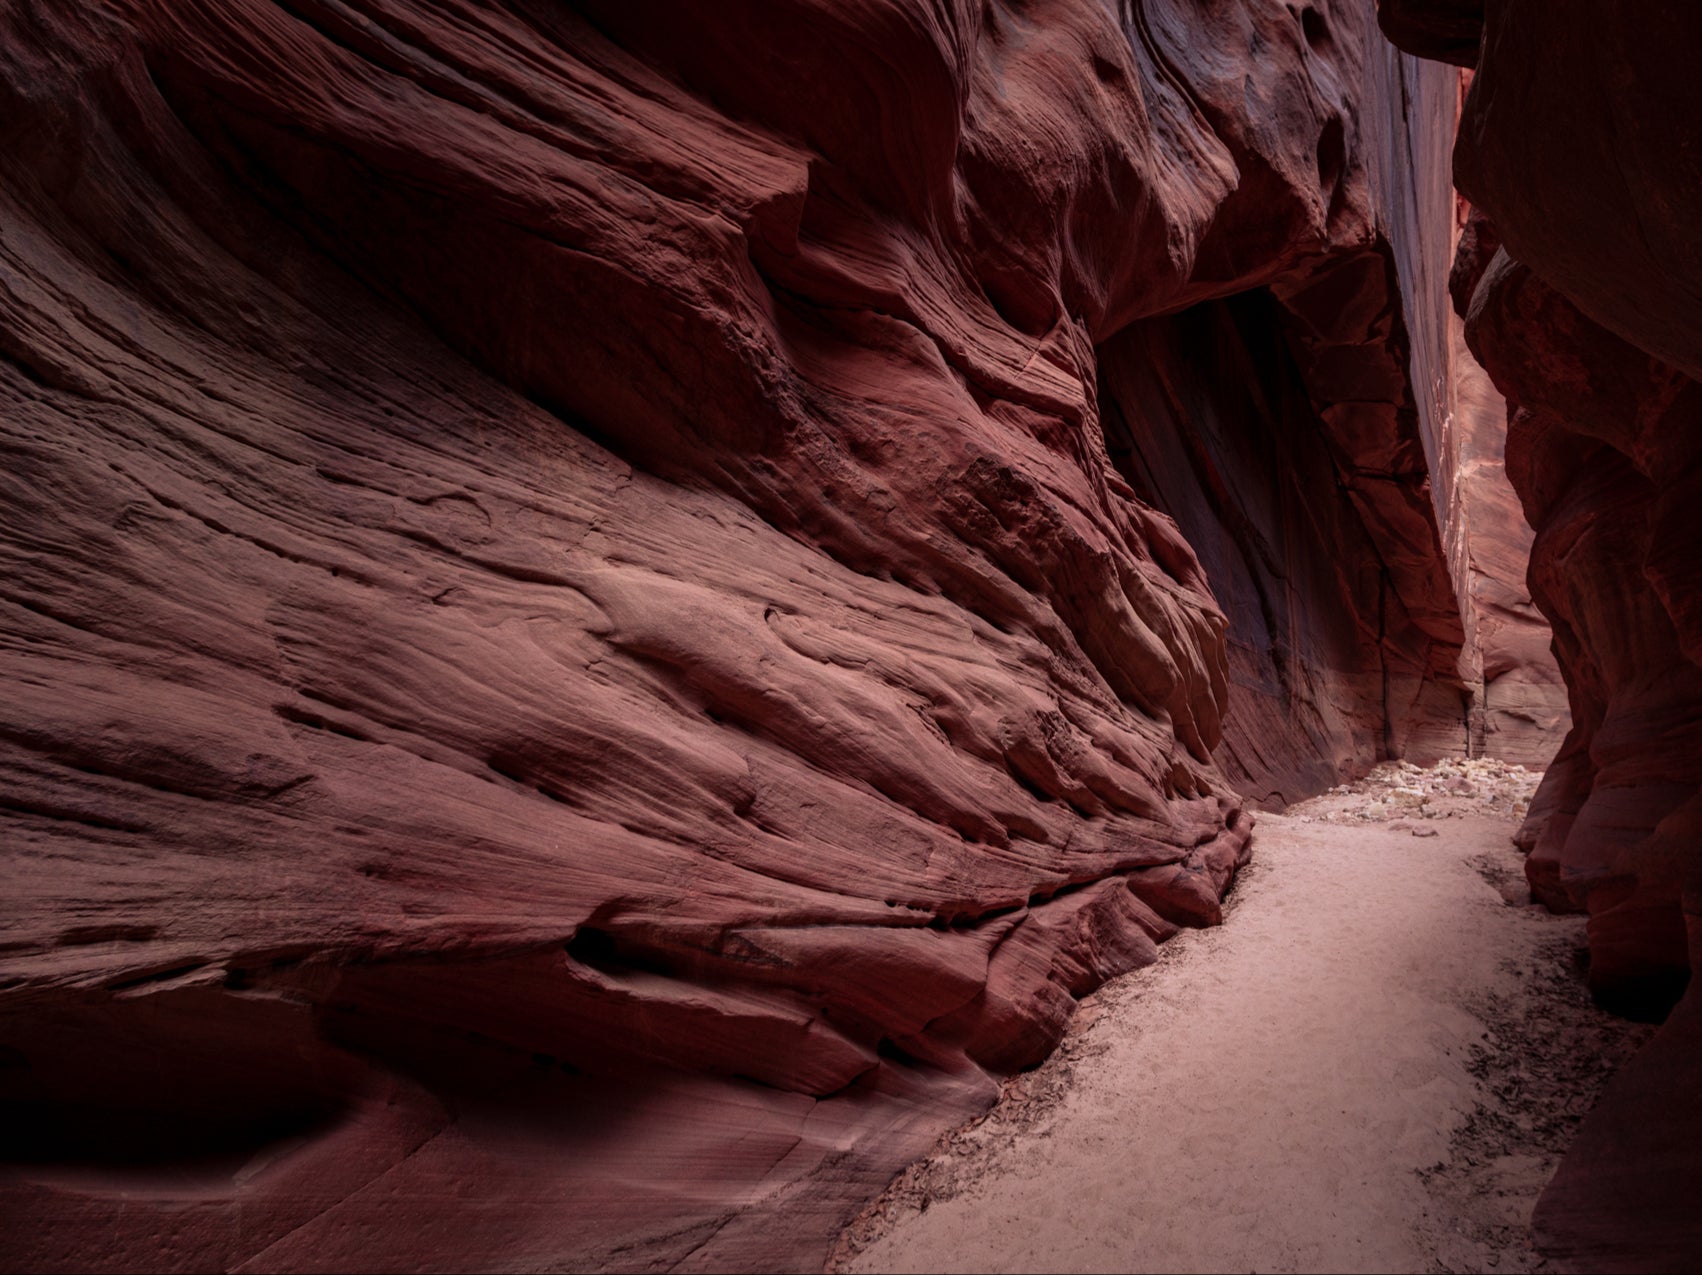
(1520, 709)
(1579, 284)
(576, 658)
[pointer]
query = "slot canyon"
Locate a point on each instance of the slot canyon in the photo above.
(613, 610)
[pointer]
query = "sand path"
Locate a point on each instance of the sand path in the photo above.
(1370, 1067)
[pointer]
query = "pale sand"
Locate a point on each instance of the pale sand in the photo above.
(1371, 1066)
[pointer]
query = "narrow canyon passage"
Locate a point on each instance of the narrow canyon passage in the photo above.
(612, 614)
(1370, 1066)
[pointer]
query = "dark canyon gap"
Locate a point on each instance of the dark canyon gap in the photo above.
(608, 612)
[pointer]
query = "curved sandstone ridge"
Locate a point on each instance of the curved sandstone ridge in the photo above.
(1580, 282)
(580, 670)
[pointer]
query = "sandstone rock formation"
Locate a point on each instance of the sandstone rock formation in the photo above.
(579, 671)
(1520, 710)
(1580, 282)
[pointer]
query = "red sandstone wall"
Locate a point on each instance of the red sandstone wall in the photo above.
(1579, 281)
(1521, 711)
(579, 673)
(1520, 708)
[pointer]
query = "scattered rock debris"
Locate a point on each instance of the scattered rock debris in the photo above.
(1542, 1062)
(1452, 788)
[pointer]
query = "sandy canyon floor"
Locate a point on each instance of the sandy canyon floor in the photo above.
(1374, 1065)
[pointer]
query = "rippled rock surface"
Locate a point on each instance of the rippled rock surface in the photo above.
(606, 611)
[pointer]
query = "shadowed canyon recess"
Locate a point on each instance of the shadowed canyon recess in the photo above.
(610, 612)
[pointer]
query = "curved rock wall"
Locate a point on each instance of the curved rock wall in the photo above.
(1519, 710)
(1580, 279)
(576, 658)
(1210, 416)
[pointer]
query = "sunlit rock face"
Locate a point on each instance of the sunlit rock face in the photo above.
(580, 672)
(1581, 284)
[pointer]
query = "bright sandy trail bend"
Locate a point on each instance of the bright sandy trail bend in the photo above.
(1264, 1098)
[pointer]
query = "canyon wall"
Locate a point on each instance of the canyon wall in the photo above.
(1520, 709)
(581, 674)
(1579, 279)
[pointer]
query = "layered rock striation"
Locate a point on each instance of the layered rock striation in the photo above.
(1519, 706)
(1579, 281)
(580, 671)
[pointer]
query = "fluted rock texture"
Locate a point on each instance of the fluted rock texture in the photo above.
(1580, 281)
(580, 673)
(1520, 709)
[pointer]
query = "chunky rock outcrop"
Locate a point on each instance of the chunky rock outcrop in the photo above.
(1580, 282)
(580, 674)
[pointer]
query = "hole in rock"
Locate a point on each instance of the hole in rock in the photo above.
(191, 1083)
(1316, 29)
(1332, 159)
(600, 950)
